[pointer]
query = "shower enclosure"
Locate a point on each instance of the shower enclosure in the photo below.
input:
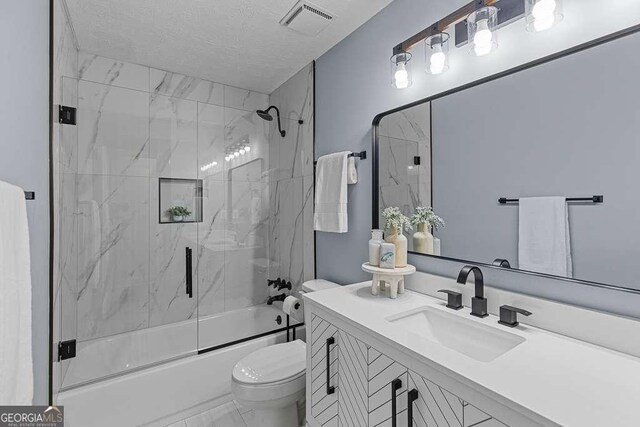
(139, 282)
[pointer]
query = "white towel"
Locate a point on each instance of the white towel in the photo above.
(16, 363)
(352, 172)
(544, 243)
(331, 194)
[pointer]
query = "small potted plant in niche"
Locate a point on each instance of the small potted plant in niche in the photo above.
(395, 223)
(425, 220)
(178, 213)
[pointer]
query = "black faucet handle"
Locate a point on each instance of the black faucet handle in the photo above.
(509, 315)
(284, 285)
(454, 299)
(500, 262)
(274, 283)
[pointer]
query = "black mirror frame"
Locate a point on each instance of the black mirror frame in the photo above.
(375, 221)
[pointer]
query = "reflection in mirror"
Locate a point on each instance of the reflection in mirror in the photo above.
(567, 128)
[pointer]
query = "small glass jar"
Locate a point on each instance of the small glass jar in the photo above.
(401, 70)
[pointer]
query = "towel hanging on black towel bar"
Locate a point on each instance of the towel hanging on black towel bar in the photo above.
(361, 155)
(592, 199)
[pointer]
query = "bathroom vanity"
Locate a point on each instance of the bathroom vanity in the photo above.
(412, 361)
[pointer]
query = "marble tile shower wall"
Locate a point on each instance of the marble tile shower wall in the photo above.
(402, 136)
(136, 124)
(291, 181)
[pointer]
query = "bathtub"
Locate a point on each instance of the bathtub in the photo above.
(153, 391)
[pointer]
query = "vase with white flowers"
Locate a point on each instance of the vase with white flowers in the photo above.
(425, 220)
(395, 223)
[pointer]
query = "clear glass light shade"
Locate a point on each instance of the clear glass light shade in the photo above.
(401, 70)
(436, 53)
(481, 27)
(541, 15)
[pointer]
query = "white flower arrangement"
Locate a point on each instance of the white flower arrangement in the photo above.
(426, 215)
(394, 219)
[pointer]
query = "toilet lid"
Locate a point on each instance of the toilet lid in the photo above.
(271, 364)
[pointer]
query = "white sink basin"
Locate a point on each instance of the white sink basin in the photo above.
(478, 341)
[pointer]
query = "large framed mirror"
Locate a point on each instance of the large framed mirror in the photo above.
(488, 156)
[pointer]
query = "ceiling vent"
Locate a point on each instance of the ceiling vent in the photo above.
(307, 18)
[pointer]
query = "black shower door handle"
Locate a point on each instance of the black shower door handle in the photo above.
(330, 389)
(189, 274)
(412, 396)
(395, 386)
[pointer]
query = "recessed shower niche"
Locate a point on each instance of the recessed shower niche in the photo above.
(180, 200)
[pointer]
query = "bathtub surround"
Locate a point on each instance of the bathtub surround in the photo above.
(348, 102)
(119, 269)
(291, 180)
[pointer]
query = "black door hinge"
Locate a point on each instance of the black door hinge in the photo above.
(67, 115)
(416, 160)
(66, 350)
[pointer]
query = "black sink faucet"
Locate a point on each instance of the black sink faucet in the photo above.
(479, 302)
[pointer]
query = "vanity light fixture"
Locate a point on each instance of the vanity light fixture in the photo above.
(481, 29)
(437, 53)
(541, 15)
(476, 24)
(401, 70)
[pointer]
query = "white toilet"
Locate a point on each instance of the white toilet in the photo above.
(272, 380)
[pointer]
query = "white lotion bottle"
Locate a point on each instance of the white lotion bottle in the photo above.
(374, 247)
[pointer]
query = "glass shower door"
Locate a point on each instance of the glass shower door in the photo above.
(127, 295)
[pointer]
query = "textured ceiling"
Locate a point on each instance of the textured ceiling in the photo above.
(235, 42)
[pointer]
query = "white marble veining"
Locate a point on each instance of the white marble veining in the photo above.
(122, 271)
(243, 99)
(168, 299)
(113, 248)
(295, 97)
(173, 132)
(213, 240)
(107, 71)
(211, 144)
(185, 87)
(113, 130)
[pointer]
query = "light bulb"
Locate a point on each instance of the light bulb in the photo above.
(543, 15)
(437, 60)
(236, 154)
(401, 76)
(544, 9)
(214, 164)
(483, 39)
(227, 158)
(247, 148)
(242, 151)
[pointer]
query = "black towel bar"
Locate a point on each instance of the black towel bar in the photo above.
(592, 199)
(361, 155)
(30, 195)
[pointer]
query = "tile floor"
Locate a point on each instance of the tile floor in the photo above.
(230, 414)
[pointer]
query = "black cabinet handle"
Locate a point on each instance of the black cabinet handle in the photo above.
(189, 275)
(412, 396)
(330, 341)
(395, 386)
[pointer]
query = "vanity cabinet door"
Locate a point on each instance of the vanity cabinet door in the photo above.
(382, 373)
(324, 370)
(432, 405)
(353, 381)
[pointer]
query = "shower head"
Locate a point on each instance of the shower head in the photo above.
(264, 114)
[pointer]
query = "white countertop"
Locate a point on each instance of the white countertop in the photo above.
(566, 381)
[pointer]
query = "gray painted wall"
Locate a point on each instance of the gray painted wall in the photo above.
(353, 86)
(570, 127)
(24, 148)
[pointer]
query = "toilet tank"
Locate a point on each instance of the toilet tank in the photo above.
(318, 285)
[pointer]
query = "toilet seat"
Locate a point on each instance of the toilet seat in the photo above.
(273, 364)
(271, 375)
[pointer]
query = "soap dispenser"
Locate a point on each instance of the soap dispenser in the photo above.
(374, 247)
